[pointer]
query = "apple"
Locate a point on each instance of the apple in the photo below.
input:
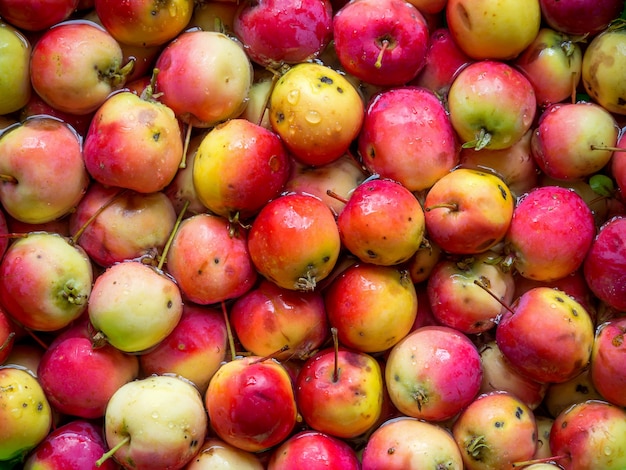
(582, 17)
(14, 63)
(47, 281)
(36, 15)
(404, 442)
(373, 307)
(204, 77)
(468, 211)
(29, 152)
(216, 454)
(134, 306)
(422, 263)
(493, 29)
(25, 414)
(158, 421)
(144, 23)
(433, 373)
(37, 106)
(210, 260)
(76, 65)
(381, 42)
(25, 355)
(256, 108)
(276, 32)
(7, 336)
(491, 104)
(560, 396)
(263, 412)
(316, 111)
(214, 16)
(407, 136)
(294, 241)
(607, 374)
(340, 392)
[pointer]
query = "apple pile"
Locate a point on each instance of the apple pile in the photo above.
(363, 234)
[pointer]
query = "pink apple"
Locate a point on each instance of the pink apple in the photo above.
(581, 17)
(36, 15)
(607, 372)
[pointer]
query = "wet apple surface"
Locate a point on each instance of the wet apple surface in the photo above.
(347, 234)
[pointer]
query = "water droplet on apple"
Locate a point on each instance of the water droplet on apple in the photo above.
(155, 415)
(313, 117)
(608, 450)
(293, 97)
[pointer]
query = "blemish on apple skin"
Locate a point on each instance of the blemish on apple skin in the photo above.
(519, 412)
(326, 80)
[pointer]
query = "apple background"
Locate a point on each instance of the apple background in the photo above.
(319, 234)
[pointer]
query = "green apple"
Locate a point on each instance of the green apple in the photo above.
(15, 86)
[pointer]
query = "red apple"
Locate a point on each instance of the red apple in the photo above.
(36, 15)
(607, 368)
(580, 17)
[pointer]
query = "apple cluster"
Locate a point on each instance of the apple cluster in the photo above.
(346, 234)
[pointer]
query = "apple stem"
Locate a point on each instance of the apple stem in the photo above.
(275, 76)
(485, 285)
(271, 356)
(229, 332)
(148, 92)
(107, 455)
(534, 461)
(379, 60)
(36, 338)
(81, 230)
(333, 332)
(333, 194)
(607, 147)
(170, 239)
(183, 161)
(8, 339)
(8, 179)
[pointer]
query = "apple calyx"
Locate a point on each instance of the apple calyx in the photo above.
(482, 140)
(116, 78)
(307, 282)
(420, 397)
(476, 447)
(107, 455)
(71, 293)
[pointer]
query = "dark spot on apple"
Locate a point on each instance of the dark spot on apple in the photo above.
(193, 443)
(371, 254)
(326, 80)
(199, 272)
(574, 312)
(617, 341)
(339, 90)
(391, 450)
(621, 101)
(40, 406)
(563, 424)
(280, 117)
(502, 192)
(325, 259)
(559, 299)
(24, 405)
(498, 424)
(396, 377)
(519, 412)
(371, 151)
(216, 261)
(156, 136)
(170, 304)
(582, 389)
(154, 13)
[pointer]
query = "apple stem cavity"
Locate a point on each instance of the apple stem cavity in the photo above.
(8, 179)
(229, 333)
(107, 455)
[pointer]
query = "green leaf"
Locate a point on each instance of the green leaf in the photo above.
(602, 185)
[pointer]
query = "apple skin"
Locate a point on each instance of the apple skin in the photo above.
(560, 396)
(37, 106)
(590, 434)
(76, 445)
(272, 37)
(7, 336)
(195, 349)
(345, 406)
(262, 414)
(47, 281)
(607, 369)
(215, 454)
(580, 17)
(30, 152)
(21, 432)
(372, 307)
(14, 63)
(76, 65)
(404, 442)
(468, 211)
(36, 15)
(133, 143)
(407, 137)
(381, 42)
(433, 373)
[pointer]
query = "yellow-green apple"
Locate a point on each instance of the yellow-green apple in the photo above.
(205, 77)
(210, 260)
(134, 306)
(433, 373)
(365, 220)
(561, 351)
(553, 64)
(495, 431)
(272, 37)
(590, 434)
(80, 379)
(468, 293)
(30, 152)
(46, 281)
(574, 140)
(581, 18)
(422, 263)
(491, 104)
(381, 42)
(294, 241)
(238, 167)
(25, 414)
(195, 349)
(133, 142)
(256, 109)
(493, 29)
(560, 396)
(262, 413)
(144, 23)
(372, 307)
(404, 442)
(407, 136)
(316, 111)
(468, 211)
(269, 318)
(607, 369)
(216, 453)
(14, 65)
(36, 15)
(340, 392)
(604, 266)
(76, 65)
(214, 16)
(313, 450)
(76, 444)
(551, 230)
(158, 421)
(543, 451)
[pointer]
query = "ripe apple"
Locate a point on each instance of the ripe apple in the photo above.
(607, 370)
(214, 16)
(36, 15)
(144, 23)
(215, 454)
(46, 281)
(76, 65)
(29, 153)
(262, 413)
(7, 336)
(37, 106)
(582, 17)
(560, 396)
(158, 421)
(14, 64)
(407, 137)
